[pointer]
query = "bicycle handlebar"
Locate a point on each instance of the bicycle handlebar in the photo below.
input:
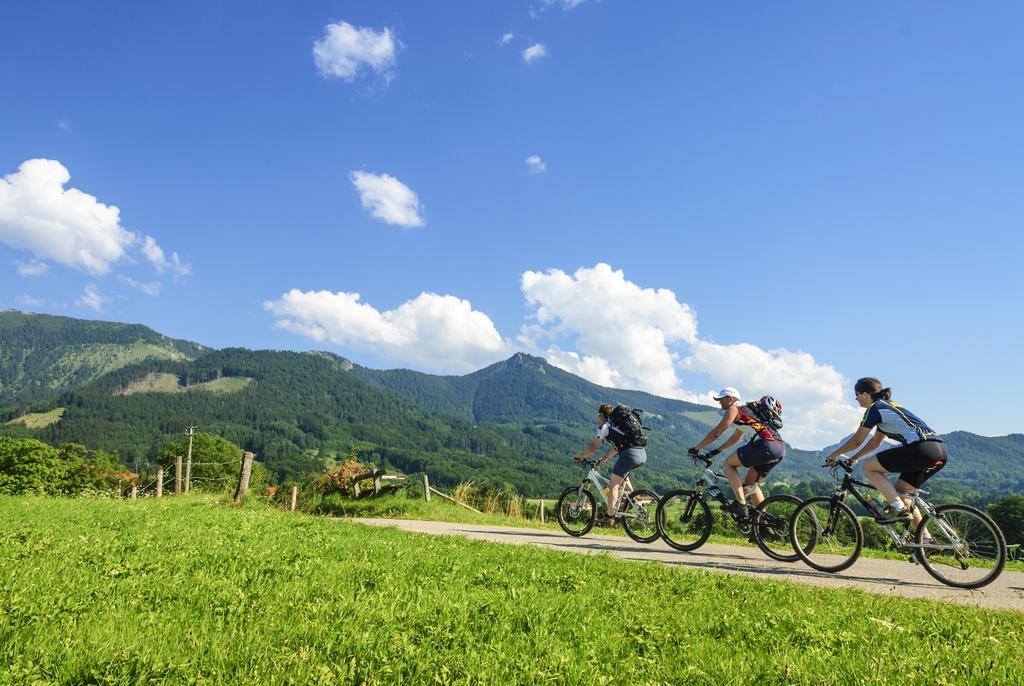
(841, 462)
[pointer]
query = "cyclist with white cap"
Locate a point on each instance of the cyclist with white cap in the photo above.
(759, 455)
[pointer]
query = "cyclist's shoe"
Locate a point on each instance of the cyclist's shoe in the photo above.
(734, 507)
(752, 537)
(891, 515)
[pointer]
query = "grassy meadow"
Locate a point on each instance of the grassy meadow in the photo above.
(192, 590)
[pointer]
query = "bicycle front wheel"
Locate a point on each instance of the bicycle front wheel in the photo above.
(826, 534)
(640, 509)
(576, 510)
(966, 550)
(683, 520)
(771, 527)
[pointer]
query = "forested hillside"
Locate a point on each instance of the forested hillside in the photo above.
(517, 422)
(43, 355)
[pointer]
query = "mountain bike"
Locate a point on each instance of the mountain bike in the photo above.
(957, 544)
(576, 509)
(684, 518)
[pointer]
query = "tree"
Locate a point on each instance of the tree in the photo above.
(216, 463)
(1009, 515)
(30, 466)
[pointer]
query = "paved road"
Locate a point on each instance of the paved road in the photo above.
(884, 577)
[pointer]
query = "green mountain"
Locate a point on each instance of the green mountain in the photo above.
(517, 422)
(42, 355)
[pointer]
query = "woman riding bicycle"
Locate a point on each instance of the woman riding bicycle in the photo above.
(630, 454)
(764, 450)
(920, 455)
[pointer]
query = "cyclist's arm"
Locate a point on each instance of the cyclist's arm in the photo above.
(714, 434)
(610, 455)
(733, 440)
(873, 444)
(594, 445)
(856, 439)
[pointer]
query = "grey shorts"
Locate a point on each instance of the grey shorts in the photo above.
(761, 455)
(630, 458)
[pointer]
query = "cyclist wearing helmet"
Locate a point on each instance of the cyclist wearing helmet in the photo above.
(918, 457)
(760, 454)
(630, 456)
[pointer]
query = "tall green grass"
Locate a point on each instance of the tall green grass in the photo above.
(190, 590)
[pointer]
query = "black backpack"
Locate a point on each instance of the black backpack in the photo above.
(625, 422)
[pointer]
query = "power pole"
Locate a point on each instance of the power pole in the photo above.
(190, 432)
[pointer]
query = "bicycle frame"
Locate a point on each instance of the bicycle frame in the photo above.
(900, 540)
(599, 481)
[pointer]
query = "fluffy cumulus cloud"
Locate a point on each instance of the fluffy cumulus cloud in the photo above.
(345, 50)
(609, 330)
(536, 165)
(816, 397)
(436, 332)
(387, 198)
(534, 53)
(613, 322)
(67, 226)
(61, 225)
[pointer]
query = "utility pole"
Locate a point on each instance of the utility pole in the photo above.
(190, 432)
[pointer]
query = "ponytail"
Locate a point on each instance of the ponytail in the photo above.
(873, 387)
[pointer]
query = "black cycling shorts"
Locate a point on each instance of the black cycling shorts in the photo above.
(761, 455)
(916, 462)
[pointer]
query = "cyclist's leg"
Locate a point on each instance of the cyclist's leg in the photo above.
(933, 456)
(613, 493)
(732, 473)
(628, 459)
(752, 487)
(878, 476)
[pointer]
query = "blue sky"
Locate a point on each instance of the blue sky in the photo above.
(777, 198)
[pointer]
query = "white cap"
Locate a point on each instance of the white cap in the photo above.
(728, 392)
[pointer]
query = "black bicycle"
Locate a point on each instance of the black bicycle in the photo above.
(684, 516)
(957, 544)
(577, 508)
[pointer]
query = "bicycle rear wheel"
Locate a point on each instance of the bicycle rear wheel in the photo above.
(826, 534)
(640, 522)
(967, 549)
(576, 510)
(771, 527)
(684, 520)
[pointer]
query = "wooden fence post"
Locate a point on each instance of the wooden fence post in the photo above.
(243, 478)
(177, 475)
(540, 509)
(426, 488)
(295, 497)
(135, 491)
(160, 483)
(376, 481)
(188, 475)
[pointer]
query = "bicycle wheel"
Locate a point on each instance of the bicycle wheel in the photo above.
(576, 510)
(771, 527)
(640, 508)
(826, 534)
(683, 520)
(967, 549)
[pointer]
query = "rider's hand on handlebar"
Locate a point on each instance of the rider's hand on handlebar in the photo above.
(693, 452)
(578, 459)
(713, 452)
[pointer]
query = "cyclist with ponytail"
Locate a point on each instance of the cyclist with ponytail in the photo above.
(919, 456)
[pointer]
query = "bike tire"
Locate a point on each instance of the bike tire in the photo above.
(683, 520)
(576, 510)
(831, 547)
(771, 528)
(973, 535)
(643, 528)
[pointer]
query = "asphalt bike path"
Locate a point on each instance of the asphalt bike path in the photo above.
(882, 577)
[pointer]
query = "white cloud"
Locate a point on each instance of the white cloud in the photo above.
(29, 301)
(536, 165)
(155, 254)
(535, 52)
(33, 268)
(66, 226)
(506, 38)
(816, 397)
(63, 123)
(615, 323)
(599, 325)
(345, 50)
(437, 332)
(566, 4)
(150, 288)
(92, 299)
(387, 198)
